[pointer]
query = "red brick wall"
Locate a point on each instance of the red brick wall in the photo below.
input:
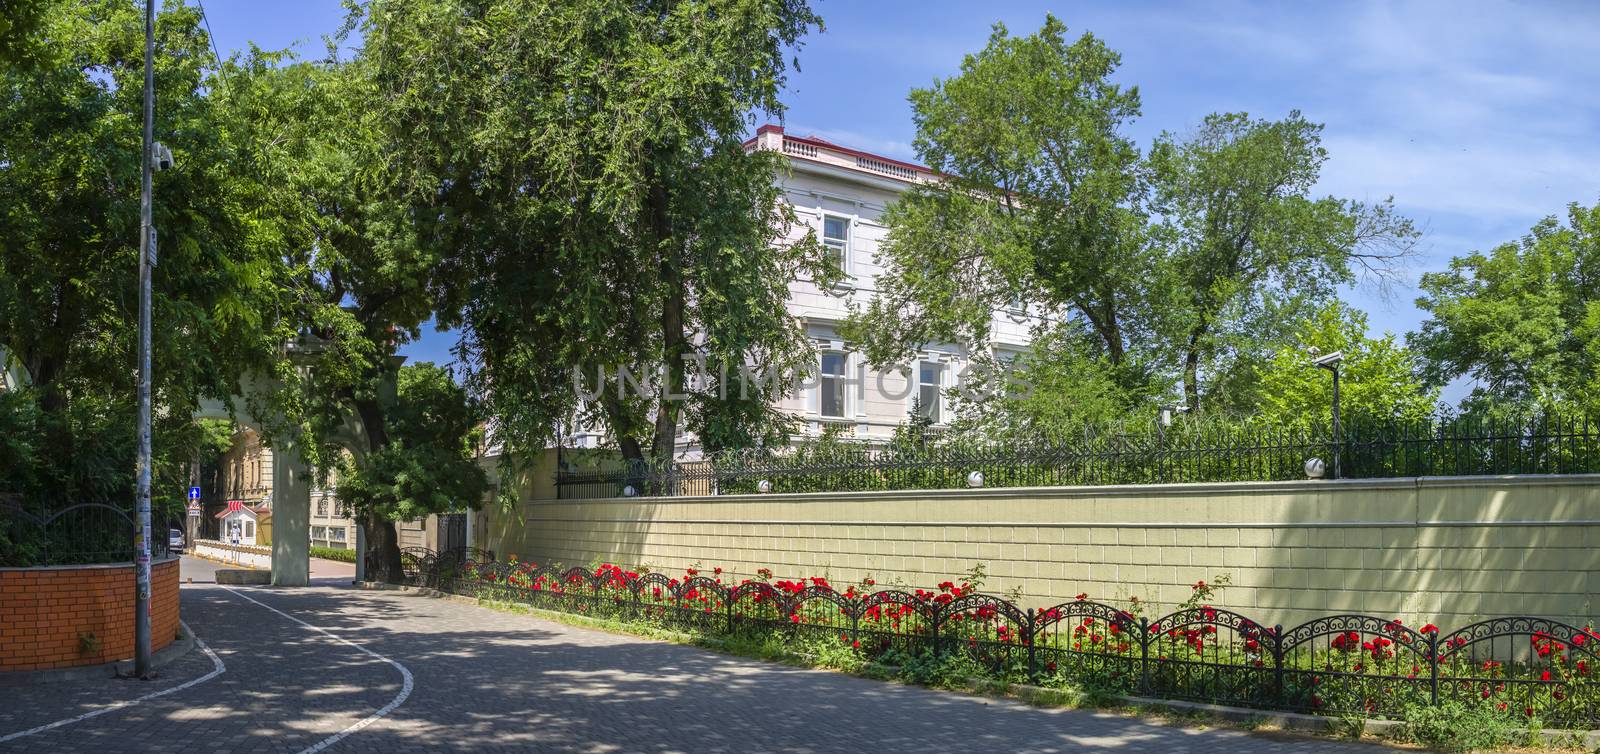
(44, 611)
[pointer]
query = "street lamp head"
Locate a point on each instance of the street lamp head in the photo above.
(1167, 412)
(1329, 362)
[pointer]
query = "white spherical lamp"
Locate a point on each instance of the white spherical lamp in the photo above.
(1315, 468)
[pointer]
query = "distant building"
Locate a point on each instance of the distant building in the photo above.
(246, 476)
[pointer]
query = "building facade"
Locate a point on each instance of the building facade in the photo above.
(246, 476)
(841, 194)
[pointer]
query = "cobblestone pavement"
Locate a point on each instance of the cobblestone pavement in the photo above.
(490, 681)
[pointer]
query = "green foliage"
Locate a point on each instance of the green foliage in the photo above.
(1378, 375)
(1522, 320)
(429, 464)
(1186, 265)
(588, 159)
(1457, 726)
(334, 553)
(69, 190)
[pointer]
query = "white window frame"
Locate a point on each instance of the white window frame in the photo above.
(943, 365)
(841, 387)
(849, 237)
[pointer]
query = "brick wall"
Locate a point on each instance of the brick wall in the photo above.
(45, 611)
(1445, 550)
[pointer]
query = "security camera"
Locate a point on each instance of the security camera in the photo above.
(160, 157)
(1330, 361)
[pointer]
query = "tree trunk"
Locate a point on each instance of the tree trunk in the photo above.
(383, 542)
(383, 549)
(1191, 369)
(673, 343)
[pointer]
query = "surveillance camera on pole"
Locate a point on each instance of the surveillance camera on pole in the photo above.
(160, 157)
(1329, 362)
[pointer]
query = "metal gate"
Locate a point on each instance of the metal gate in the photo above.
(452, 531)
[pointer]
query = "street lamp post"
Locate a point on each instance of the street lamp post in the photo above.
(1331, 363)
(147, 252)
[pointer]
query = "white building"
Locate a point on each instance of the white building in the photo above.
(842, 194)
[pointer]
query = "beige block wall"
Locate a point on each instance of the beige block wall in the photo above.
(1446, 550)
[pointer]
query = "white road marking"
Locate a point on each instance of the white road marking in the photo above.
(405, 690)
(217, 669)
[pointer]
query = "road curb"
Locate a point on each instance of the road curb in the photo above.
(120, 668)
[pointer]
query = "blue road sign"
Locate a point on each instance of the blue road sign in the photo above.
(194, 493)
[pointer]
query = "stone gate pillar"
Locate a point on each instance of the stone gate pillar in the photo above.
(291, 516)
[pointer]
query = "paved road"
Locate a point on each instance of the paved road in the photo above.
(491, 681)
(323, 572)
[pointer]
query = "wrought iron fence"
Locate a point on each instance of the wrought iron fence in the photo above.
(1219, 451)
(1522, 667)
(82, 533)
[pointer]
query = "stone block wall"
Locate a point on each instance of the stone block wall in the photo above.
(1446, 550)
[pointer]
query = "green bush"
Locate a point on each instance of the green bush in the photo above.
(1453, 726)
(333, 553)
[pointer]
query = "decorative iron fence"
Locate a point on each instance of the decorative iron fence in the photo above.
(1523, 667)
(1199, 452)
(81, 533)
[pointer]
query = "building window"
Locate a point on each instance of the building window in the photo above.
(831, 385)
(249, 529)
(319, 533)
(836, 237)
(929, 386)
(322, 508)
(338, 533)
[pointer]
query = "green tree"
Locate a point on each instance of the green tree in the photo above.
(1060, 387)
(365, 281)
(588, 160)
(1522, 320)
(69, 193)
(429, 463)
(1379, 380)
(1245, 247)
(1182, 266)
(1040, 199)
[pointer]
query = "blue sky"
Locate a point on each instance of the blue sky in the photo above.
(1478, 117)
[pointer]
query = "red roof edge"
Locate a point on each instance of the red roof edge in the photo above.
(816, 142)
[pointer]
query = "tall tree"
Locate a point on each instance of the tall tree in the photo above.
(1245, 245)
(1039, 199)
(364, 285)
(69, 196)
(1180, 266)
(587, 158)
(1522, 320)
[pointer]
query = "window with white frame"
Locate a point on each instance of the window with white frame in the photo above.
(836, 238)
(831, 385)
(322, 507)
(337, 533)
(930, 386)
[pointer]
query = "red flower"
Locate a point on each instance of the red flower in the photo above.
(1430, 629)
(1198, 585)
(1083, 596)
(717, 571)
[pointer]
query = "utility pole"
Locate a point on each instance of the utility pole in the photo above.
(147, 253)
